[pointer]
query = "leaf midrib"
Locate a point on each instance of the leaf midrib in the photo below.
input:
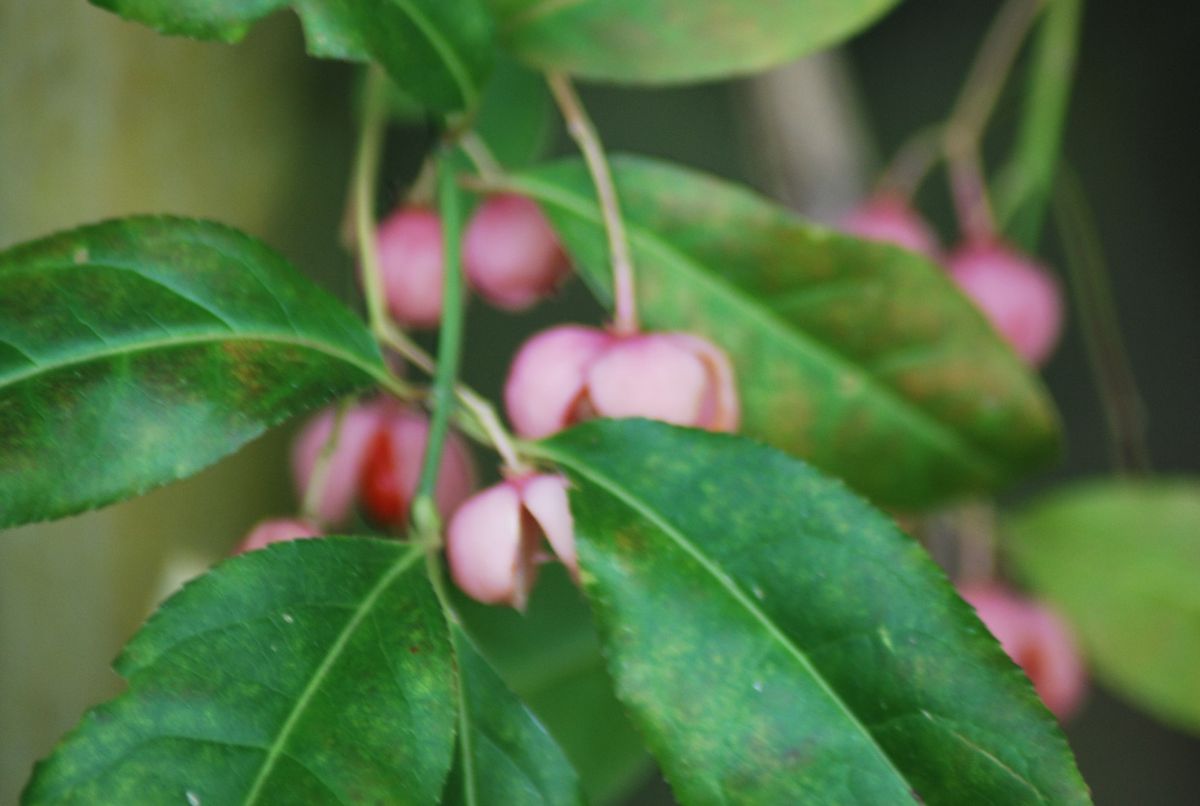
(642, 508)
(276, 749)
(41, 368)
(936, 431)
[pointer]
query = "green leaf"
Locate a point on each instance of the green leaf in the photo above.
(778, 641)
(316, 671)
(515, 114)
(662, 41)
(438, 51)
(550, 656)
(504, 754)
(138, 351)
(1028, 179)
(863, 358)
(1121, 559)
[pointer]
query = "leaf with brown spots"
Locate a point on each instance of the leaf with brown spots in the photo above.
(136, 352)
(860, 357)
(779, 641)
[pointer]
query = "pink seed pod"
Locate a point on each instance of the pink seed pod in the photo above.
(888, 217)
(409, 242)
(492, 543)
(276, 530)
(1037, 640)
(571, 373)
(392, 468)
(345, 464)
(510, 254)
(1019, 297)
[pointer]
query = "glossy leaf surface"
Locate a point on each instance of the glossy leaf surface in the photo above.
(858, 356)
(1121, 560)
(315, 671)
(439, 51)
(504, 754)
(138, 351)
(779, 641)
(660, 41)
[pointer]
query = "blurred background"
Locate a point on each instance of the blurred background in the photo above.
(101, 118)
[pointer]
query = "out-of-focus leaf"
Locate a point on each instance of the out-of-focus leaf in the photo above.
(504, 754)
(438, 51)
(662, 41)
(138, 351)
(1121, 560)
(861, 357)
(779, 641)
(316, 671)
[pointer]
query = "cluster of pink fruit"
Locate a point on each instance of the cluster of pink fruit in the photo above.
(559, 377)
(1019, 297)
(569, 373)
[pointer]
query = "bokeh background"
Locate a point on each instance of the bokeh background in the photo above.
(101, 118)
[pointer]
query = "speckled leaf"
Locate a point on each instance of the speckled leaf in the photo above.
(660, 41)
(860, 357)
(1121, 560)
(779, 641)
(504, 754)
(315, 672)
(138, 351)
(439, 51)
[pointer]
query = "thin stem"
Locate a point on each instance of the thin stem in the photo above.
(976, 101)
(366, 168)
(450, 332)
(912, 163)
(580, 127)
(314, 492)
(989, 72)
(1113, 374)
(481, 156)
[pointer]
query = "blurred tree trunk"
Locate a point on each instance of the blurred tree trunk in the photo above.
(100, 118)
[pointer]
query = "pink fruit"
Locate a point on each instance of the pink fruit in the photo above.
(889, 218)
(1018, 296)
(571, 373)
(510, 254)
(409, 242)
(345, 465)
(392, 468)
(276, 530)
(1037, 640)
(492, 543)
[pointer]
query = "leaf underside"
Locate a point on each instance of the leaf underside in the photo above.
(438, 51)
(315, 671)
(138, 351)
(668, 41)
(858, 356)
(778, 641)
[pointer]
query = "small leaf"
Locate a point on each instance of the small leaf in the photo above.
(438, 51)
(661, 41)
(138, 351)
(1121, 560)
(504, 755)
(860, 357)
(778, 641)
(316, 671)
